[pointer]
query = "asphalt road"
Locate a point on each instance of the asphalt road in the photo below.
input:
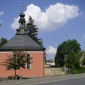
(76, 81)
(59, 80)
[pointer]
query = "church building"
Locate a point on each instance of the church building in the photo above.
(22, 41)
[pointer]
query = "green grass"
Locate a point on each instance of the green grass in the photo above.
(78, 70)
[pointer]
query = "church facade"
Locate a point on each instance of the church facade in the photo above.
(22, 41)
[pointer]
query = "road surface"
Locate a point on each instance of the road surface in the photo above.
(59, 80)
(74, 81)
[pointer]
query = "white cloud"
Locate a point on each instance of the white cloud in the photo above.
(1, 13)
(15, 25)
(54, 16)
(84, 36)
(51, 50)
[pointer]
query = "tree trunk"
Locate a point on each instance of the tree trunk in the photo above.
(15, 71)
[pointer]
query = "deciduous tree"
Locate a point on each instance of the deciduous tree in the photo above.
(83, 61)
(16, 61)
(72, 60)
(64, 49)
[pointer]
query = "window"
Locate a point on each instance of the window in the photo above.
(28, 63)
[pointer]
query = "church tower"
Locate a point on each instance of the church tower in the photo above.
(22, 29)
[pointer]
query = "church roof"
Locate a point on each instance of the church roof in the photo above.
(21, 42)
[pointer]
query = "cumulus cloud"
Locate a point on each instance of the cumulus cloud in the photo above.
(52, 18)
(1, 13)
(51, 50)
(15, 25)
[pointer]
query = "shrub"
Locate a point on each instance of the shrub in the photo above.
(78, 70)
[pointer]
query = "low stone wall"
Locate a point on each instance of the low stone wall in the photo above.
(53, 71)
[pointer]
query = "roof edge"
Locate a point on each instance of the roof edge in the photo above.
(43, 49)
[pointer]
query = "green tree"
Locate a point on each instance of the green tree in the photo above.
(83, 61)
(80, 54)
(33, 30)
(3, 41)
(17, 60)
(0, 24)
(72, 60)
(64, 49)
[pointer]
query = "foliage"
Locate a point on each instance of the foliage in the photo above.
(40, 42)
(72, 60)
(80, 54)
(33, 30)
(83, 61)
(59, 60)
(3, 41)
(78, 70)
(0, 24)
(64, 49)
(16, 61)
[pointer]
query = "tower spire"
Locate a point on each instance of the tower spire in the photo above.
(22, 7)
(22, 29)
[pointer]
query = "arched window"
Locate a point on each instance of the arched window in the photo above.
(28, 63)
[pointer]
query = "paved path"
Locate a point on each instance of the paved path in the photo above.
(59, 80)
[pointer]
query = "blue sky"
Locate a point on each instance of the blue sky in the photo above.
(57, 20)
